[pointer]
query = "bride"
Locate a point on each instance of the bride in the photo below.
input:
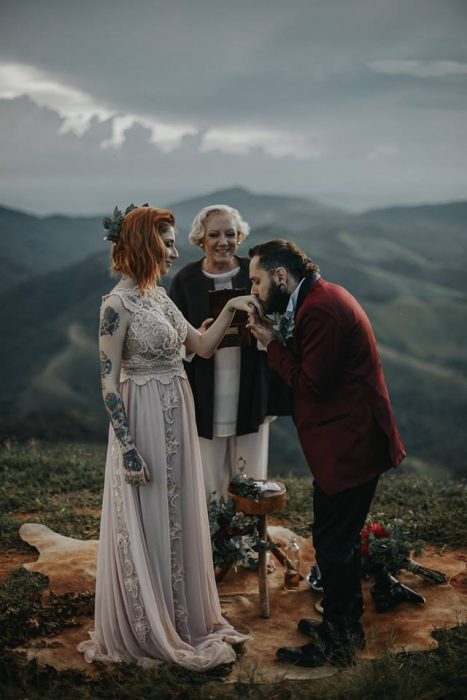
(156, 595)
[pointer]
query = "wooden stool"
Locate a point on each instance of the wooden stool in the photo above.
(272, 502)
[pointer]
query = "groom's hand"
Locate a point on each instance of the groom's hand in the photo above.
(261, 329)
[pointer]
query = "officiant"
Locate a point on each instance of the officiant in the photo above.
(232, 398)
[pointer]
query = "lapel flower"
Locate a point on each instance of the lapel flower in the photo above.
(283, 325)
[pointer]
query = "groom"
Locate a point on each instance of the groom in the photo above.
(344, 419)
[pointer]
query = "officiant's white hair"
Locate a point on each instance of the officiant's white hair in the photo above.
(198, 227)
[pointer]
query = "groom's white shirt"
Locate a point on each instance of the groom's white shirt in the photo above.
(292, 305)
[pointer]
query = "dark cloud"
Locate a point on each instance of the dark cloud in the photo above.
(210, 59)
(45, 170)
(315, 73)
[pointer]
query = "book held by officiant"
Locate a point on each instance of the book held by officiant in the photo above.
(237, 335)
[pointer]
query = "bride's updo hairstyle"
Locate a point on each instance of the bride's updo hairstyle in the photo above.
(139, 249)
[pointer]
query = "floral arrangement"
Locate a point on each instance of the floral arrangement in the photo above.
(113, 224)
(390, 546)
(242, 485)
(283, 325)
(234, 536)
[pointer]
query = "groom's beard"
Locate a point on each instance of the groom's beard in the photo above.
(276, 300)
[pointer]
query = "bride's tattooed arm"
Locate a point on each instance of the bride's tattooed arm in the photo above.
(112, 331)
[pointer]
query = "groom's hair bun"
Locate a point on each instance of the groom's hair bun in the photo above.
(282, 253)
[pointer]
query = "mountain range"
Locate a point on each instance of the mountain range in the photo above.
(406, 265)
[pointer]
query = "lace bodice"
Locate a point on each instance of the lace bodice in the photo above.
(155, 334)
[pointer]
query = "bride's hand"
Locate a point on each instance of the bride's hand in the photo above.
(136, 469)
(244, 303)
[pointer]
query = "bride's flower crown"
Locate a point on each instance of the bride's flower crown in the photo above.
(113, 224)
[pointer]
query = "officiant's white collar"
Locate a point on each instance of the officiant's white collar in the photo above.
(292, 305)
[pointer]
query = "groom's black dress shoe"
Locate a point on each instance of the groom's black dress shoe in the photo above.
(308, 655)
(391, 592)
(312, 628)
(319, 652)
(320, 631)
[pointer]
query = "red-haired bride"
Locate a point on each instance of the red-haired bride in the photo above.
(156, 596)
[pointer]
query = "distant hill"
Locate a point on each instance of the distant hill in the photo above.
(431, 228)
(292, 213)
(32, 245)
(437, 231)
(415, 295)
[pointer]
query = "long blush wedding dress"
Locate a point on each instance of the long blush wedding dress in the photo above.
(156, 595)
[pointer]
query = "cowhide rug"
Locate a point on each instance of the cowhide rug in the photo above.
(70, 565)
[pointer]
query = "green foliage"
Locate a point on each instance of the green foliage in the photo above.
(58, 485)
(113, 224)
(37, 469)
(23, 614)
(244, 486)
(299, 509)
(233, 535)
(388, 545)
(433, 509)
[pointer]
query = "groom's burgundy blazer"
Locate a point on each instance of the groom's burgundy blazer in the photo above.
(341, 405)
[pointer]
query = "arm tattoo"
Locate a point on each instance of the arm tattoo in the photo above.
(116, 411)
(106, 365)
(132, 461)
(109, 322)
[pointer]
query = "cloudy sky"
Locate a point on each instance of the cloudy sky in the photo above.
(360, 103)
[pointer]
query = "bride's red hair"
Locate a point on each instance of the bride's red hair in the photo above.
(140, 250)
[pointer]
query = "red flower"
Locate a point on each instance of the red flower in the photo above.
(365, 533)
(378, 530)
(375, 529)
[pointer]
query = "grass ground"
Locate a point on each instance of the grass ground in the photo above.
(60, 486)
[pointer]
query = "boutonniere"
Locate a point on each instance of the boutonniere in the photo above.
(283, 325)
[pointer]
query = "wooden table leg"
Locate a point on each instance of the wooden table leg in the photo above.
(262, 568)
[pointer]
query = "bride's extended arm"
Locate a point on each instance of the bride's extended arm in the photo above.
(112, 330)
(205, 344)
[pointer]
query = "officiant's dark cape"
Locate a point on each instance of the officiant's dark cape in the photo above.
(341, 405)
(262, 391)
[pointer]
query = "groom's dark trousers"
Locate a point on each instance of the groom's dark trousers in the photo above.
(338, 520)
(344, 419)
